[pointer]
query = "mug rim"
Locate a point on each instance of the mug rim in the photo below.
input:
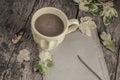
(55, 9)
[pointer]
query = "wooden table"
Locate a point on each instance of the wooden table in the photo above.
(16, 14)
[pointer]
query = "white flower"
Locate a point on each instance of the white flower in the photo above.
(23, 55)
(87, 25)
(44, 55)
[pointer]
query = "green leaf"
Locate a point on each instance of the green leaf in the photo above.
(44, 69)
(92, 7)
(109, 15)
(41, 67)
(49, 63)
(37, 67)
(98, 11)
(108, 42)
(107, 20)
(98, 8)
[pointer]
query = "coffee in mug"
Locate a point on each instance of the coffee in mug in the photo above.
(49, 25)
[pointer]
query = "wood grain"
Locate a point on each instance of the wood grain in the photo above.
(16, 15)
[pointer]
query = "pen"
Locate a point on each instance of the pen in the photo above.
(89, 67)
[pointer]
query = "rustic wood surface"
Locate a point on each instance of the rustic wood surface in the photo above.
(16, 14)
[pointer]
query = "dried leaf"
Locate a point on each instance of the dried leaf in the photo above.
(17, 36)
(108, 42)
(87, 25)
(23, 55)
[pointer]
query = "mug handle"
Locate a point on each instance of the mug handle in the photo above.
(73, 25)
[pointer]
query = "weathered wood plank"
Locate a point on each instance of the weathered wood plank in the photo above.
(112, 58)
(17, 14)
(24, 71)
(13, 16)
(117, 37)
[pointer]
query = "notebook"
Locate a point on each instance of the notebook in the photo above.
(67, 66)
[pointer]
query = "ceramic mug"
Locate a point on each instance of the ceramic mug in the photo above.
(47, 42)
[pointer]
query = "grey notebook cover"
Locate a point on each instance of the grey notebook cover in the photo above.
(67, 65)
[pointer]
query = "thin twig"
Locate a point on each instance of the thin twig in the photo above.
(89, 68)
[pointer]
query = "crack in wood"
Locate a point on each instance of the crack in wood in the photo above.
(28, 18)
(24, 26)
(77, 14)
